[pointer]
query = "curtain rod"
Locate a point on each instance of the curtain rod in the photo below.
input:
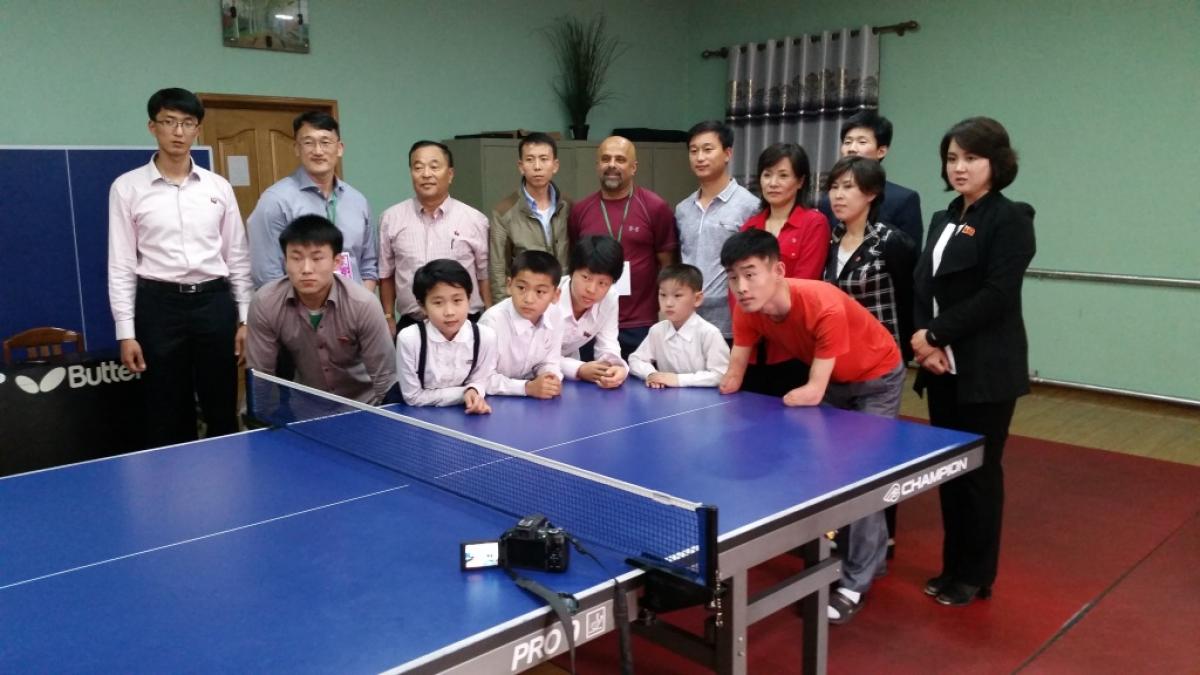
(897, 28)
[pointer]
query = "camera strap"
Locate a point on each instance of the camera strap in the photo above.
(564, 605)
(620, 611)
(567, 605)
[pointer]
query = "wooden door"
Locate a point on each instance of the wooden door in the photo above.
(252, 140)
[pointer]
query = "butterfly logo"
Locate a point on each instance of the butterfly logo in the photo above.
(50, 381)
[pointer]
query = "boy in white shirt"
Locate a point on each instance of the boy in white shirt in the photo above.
(528, 328)
(685, 350)
(590, 312)
(445, 359)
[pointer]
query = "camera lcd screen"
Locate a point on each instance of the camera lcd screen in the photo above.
(480, 554)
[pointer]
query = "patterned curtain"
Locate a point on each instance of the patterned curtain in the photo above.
(799, 90)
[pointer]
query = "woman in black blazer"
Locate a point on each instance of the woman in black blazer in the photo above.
(970, 341)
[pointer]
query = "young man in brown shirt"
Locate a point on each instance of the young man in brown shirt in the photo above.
(331, 326)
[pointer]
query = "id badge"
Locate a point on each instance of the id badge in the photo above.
(345, 268)
(623, 285)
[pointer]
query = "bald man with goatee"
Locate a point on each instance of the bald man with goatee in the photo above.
(641, 221)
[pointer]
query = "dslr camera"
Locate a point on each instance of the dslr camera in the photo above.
(534, 543)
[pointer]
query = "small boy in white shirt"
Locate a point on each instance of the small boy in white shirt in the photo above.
(445, 359)
(685, 350)
(590, 312)
(528, 328)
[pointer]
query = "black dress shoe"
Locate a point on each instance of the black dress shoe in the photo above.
(938, 584)
(958, 594)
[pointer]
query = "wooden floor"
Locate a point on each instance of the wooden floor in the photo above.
(1116, 423)
(1107, 422)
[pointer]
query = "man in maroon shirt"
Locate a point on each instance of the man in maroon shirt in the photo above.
(641, 221)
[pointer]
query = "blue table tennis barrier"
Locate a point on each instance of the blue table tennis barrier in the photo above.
(54, 235)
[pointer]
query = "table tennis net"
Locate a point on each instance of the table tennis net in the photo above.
(629, 519)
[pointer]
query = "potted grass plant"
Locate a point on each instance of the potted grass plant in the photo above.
(584, 51)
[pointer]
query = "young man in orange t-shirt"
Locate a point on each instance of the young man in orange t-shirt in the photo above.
(854, 364)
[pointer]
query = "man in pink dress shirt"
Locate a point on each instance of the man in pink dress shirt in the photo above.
(179, 278)
(430, 226)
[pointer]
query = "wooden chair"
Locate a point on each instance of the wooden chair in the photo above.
(40, 343)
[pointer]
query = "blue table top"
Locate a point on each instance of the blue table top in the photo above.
(269, 550)
(749, 455)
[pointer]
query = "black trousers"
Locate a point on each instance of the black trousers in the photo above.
(972, 504)
(630, 339)
(187, 341)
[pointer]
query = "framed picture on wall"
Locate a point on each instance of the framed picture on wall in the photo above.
(278, 25)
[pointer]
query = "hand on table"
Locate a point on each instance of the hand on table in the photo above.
(613, 377)
(660, 380)
(546, 385)
(807, 395)
(730, 383)
(476, 404)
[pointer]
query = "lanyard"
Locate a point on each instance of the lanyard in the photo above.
(624, 216)
(331, 208)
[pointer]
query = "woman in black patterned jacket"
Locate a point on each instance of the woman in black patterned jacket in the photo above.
(970, 341)
(871, 261)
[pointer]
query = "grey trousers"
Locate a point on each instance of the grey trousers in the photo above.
(867, 541)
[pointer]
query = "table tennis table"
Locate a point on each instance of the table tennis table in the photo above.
(271, 550)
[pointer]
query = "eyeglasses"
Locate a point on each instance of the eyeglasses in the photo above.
(324, 144)
(171, 125)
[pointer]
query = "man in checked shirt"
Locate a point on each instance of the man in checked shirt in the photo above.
(430, 226)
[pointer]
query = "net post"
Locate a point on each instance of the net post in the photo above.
(709, 568)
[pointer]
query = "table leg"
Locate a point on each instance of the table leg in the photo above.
(812, 610)
(731, 635)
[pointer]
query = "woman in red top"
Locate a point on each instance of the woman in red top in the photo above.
(784, 178)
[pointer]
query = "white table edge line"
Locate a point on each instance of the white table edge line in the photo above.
(199, 538)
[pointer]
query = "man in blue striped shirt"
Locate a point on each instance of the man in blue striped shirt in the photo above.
(314, 189)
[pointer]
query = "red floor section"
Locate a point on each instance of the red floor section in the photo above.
(1076, 520)
(1148, 623)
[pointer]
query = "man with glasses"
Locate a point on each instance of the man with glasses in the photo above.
(179, 278)
(314, 190)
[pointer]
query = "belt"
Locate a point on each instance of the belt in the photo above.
(210, 286)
